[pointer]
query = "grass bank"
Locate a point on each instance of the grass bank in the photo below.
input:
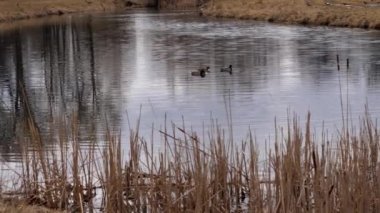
(189, 173)
(341, 13)
(22, 9)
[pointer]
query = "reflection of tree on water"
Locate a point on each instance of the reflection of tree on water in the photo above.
(92, 62)
(6, 101)
(6, 131)
(373, 65)
(61, 81)
(22, 97)
(22, 111)
(70, 69)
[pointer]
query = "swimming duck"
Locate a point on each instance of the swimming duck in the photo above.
(227, 69)
(201, 72)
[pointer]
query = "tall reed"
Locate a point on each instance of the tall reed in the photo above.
(186, 174)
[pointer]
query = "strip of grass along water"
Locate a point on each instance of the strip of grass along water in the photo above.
(351, 13)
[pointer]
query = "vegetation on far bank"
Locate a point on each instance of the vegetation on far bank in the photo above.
(350, 13)
(342, 13)
(22, 9)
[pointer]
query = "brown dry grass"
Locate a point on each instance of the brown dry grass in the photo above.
(21, 9)
(295, 173)
(189, 174)
(314, 12)
(23, 208)
(177, 4)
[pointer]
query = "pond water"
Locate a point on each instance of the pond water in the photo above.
(138, 64)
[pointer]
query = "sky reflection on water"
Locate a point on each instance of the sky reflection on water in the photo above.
(107, 65)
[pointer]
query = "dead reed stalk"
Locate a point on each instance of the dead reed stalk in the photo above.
(295, 173)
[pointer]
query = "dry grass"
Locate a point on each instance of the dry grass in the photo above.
(364, 14)
(178, 4)
(294, 173)
(12, 10)
(23, 208)
(314, 12)
(188, 174)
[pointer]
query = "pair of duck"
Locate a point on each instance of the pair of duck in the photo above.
(202, 71)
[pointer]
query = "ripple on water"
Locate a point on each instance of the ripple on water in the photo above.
(108, 65)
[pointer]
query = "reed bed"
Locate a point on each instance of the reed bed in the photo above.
(295, 173)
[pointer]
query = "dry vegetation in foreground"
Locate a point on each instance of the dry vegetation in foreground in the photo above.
(297, 174)
(23, 208)
(350, 13)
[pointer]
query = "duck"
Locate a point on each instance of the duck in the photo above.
(201, 72)
(227, 69)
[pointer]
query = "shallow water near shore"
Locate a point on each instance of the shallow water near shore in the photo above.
(110, 67)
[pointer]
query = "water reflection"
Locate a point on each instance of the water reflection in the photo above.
(107, 65)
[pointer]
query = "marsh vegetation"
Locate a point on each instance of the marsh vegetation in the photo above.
(191, 172)
(67, 146)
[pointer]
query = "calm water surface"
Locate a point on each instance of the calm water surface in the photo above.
(114, 66)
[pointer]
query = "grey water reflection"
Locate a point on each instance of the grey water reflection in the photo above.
(114, 66)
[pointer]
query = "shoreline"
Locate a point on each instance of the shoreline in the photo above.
(355, 14)
(26, 9)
